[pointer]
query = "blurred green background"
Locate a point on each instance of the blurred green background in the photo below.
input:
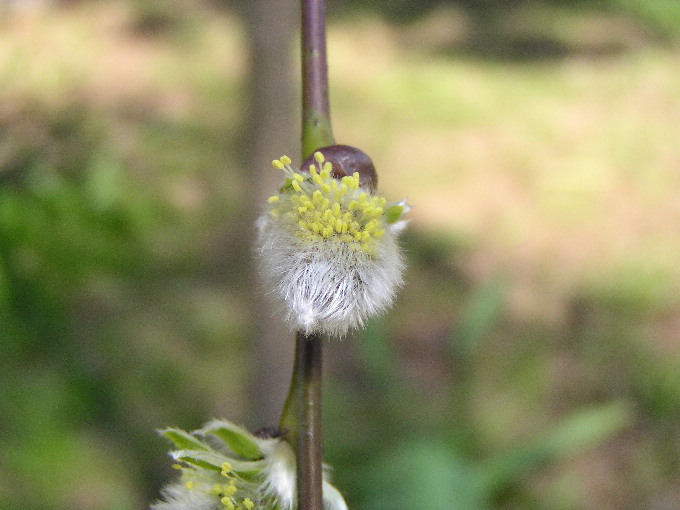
(532, 360)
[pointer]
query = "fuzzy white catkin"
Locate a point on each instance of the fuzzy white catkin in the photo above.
(328, 288)
(323, 284)
(267, 481)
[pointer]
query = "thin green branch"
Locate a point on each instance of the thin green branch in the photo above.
(316, 120)
(309, 440)
(301, 420)
(301, 417)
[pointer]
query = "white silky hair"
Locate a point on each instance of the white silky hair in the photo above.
(179, 497)
(279, 475)
(324, 286)
(280, 482)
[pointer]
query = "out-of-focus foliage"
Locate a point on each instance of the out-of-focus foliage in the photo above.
(446, 440)
(71, 232)
(660, 16)
(107, 269)
(448, 466)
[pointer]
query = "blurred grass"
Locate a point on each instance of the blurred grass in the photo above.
(540, 314)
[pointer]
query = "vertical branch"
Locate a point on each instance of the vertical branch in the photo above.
(316, 120)
(309, 440)
(316, 133)
(301, 420)
(301, 416)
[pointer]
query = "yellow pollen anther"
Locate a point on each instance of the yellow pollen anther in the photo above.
(228, 503)
(226, 466)
(278, 164)
(176, 466)
(248, 504)
(190, 485)
(321, 208)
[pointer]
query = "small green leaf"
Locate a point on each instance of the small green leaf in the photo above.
(184, 440)
(196, 461)
(240, 441)
(214, 461)
(393, 213)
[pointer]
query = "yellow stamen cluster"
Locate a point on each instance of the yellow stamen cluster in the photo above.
(324, 209)
(226, 492)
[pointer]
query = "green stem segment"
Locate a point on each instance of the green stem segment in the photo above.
(301, 417)
(309, 441)
(316, 119)
(301, 420)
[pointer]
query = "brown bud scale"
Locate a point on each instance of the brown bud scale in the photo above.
(346, 160)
